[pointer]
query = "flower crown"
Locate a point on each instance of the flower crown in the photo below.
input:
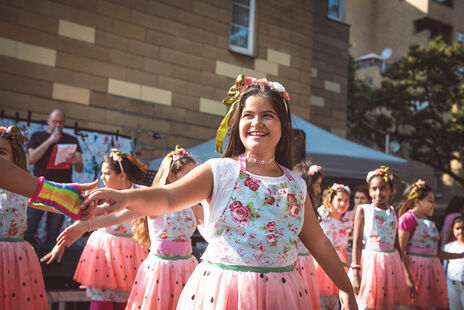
(118, 156)
(384, 172)
(233, 97)
(17, 139)
(416, 189)
(178, 153)
(335, 187)
(314, 169)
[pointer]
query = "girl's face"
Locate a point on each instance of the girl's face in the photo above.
(316, 186)
(260, 128)
(360, 199)
(339, 205)
(181, 173)
(380, 191)
(111, 179)
(6, 150)
(425, 206)
(458, 231)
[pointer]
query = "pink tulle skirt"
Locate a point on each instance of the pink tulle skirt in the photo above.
(159, 282)
(211, 287)
(383, 285)
(430, 280)
(306, 266)
(21, 280)
(109, 262)
(326, 286)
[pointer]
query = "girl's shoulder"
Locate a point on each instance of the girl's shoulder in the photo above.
(453, 246)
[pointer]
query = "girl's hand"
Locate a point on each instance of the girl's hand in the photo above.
(355, 280)
(104, 201)
(56, 253)
(348, 301)
(72, 233)
(411, 287)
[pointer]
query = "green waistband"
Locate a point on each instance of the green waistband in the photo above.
(11, 239)
(303, 254)
(421, 255)
(115, 234)
(173, 257)
(380, 251)
(253, 268)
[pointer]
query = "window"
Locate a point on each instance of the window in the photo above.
(242, 27)
(459, 36)
(438, 185)
(337, 10)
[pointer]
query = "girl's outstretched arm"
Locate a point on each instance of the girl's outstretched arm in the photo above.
(78, 228)
(17, 180)
(357, 248)
(446, 255)
(322, 250)
(196, 186)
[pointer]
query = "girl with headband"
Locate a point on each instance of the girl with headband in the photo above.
(21, 280)
(377, 275)
(163, 274)
(418, 240)
(254, 210)
(337, 229)
(305, 263)
(108, 265)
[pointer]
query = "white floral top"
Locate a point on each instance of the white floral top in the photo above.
(261, 221)
(13, 215)
(379, 225)
(177, 226)
(455, 270)
(424, 233)
(336, 231)
(302, 249)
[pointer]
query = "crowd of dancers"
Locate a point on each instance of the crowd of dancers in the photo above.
(272, 244)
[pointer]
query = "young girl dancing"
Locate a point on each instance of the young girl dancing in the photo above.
(109, 262)
(254, 211)
(455, 270)
(21, 280)
(418, 240)
(337, 230)
(305, 264)
(162, 276)
(377, 275)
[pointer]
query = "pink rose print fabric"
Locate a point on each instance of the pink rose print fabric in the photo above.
(13, 215)
(379, 225)
(177, 226)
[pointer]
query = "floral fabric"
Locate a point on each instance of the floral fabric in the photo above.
(336, 231)
(260, 225)
(177, 226)
(107, 295)
(379, 225)
(13, 215)
(425, 234)
(302, 250)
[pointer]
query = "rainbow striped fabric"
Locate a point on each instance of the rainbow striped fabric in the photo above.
(65, 198)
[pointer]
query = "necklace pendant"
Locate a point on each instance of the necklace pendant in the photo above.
(260, 161)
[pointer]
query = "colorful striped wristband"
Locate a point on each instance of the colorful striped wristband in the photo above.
(65, 198)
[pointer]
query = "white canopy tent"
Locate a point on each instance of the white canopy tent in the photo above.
(338, 157)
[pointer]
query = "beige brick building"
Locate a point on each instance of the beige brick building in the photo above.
(377, 25)
(143, 66)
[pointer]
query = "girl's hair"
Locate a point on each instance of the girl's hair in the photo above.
(310, 174)
(459, 219)
(418, 190)
(332, 192)
(16, 139)
(122, 162)
(455, 205)
(285, 149)
(172, 163)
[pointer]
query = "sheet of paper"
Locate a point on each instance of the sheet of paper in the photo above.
(64, 151)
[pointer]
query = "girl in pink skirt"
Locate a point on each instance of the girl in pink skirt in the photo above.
(418, 239)
(305, 263)
(108, 265)
(376, 272)
(337, 229)
(254, 210)
(163, 274)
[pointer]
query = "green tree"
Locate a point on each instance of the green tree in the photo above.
(419, 104)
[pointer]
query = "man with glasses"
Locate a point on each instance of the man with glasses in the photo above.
(42, 150)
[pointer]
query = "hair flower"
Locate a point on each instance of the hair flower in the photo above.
(314, 169)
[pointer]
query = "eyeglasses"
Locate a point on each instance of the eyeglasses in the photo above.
(55, 122)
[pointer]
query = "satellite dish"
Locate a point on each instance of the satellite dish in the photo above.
(395, 146)
(386, 53)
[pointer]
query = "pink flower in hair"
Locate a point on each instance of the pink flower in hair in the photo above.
(314, 169)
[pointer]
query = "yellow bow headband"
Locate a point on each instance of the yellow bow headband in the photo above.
(233, 97)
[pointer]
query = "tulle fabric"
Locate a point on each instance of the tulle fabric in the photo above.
(159, 282)
(211, 287)
(109, 262)
(430, 280)
(21, 280)
(326, 286)
(383, 285)
(306, 267)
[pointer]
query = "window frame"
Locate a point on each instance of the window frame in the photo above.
(341, 11)
(250, 50)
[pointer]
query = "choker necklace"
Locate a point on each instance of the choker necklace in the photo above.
(260, 161)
